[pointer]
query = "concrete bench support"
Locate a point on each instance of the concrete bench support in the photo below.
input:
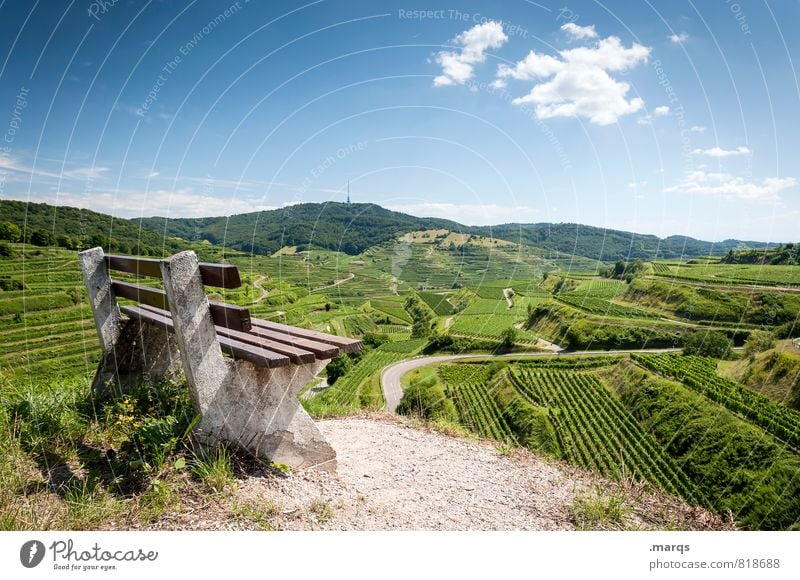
(133, 352)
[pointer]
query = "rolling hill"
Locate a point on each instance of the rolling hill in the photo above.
(349, 228)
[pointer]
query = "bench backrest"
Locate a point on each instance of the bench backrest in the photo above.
(218, 275)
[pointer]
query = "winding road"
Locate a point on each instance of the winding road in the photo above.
(390, 376)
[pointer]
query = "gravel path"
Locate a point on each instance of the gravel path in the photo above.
(394, 475)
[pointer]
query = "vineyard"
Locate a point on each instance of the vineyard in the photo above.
(699, 374)
(393, 308)
(491, 326)
(660, 268)
(476, 407)
(600, 288)
(409, 347)
(45, 329)
(603, 307)
(598, 433)
(437, 302)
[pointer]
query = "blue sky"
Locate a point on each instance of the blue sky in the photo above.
(664, 117)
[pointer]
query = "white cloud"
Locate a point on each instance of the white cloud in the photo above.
(719, 152)
(458, 67)
(475, 214)
(581, 85)
(679, 38)
(86, 173)
(661, 111)
(728, 186)
(697, 129)
(16, 166)
(576, 32)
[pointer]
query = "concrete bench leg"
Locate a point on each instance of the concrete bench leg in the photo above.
(262, 414)
(132, 352)
(252, 407)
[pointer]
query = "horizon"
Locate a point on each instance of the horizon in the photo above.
(631, 117)
(638, 233)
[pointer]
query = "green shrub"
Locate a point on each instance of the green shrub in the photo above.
(707, 343)
(425, 398)
(338, 367)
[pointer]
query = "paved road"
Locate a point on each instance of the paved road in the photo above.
(390, 377)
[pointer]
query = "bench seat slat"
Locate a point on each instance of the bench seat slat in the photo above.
(344, 344)
(322, 350)
(225, 315)
(218, 275)
(235, 348)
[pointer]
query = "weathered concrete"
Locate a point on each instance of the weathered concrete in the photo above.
(132, 352)
(107, 319)
(143, 353)
(255, 408)
(203, 363)
(262, 414)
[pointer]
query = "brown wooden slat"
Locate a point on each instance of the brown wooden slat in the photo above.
(345, 344)
(237, 349)
(230, 316)
(150, 296)
(320, 349)
(224, 315)
(218, 275)
(297, 355)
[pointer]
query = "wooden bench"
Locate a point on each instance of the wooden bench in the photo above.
(248, 398)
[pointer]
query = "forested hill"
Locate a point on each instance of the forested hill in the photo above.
(350, 228)
(610, 245)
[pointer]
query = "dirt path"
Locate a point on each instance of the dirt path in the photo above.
(390, 376)
(336, 283)
(264, 292)
(397, 475)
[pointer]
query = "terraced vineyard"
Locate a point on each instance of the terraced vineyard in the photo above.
(603, 307)
(597, 432)
(489, 326)
(438, 303)
(407, 347)
(601, 288)
(394, 308)
(699, 374)
(45, 329)
(476, 407)
(722, 274)
(660, 268)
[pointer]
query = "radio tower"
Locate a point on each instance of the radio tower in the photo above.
(348, 191)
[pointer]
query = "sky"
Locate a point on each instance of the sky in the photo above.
(662, 117)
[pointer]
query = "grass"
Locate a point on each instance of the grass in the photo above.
(600, 510)
(261, 514)
(214, 469)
